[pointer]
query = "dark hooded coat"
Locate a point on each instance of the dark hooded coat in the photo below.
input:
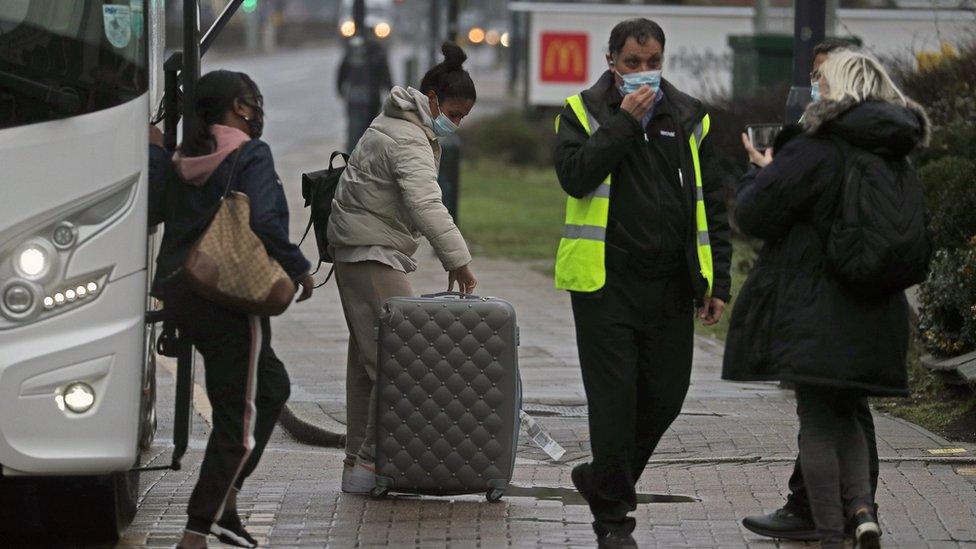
(794, 320)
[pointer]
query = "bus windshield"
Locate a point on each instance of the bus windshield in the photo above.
(64, 58)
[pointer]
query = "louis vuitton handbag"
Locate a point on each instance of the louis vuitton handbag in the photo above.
(229, 264)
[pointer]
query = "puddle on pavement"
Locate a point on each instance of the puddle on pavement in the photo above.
(569, 496)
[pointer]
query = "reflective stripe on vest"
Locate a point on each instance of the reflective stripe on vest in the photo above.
(580, 261)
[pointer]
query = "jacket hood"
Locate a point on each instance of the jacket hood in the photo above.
(882, 127)
(411, 105)
(687, 109)
(196, 170)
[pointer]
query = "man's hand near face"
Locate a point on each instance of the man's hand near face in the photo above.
(639, 102)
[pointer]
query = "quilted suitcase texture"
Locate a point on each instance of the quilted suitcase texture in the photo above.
(448, 396)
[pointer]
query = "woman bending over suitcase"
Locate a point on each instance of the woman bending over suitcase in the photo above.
(246, 383)
(387, 198)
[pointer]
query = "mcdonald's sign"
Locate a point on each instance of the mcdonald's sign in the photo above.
(564, 57)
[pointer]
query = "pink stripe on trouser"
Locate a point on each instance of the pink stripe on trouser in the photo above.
(250, 409)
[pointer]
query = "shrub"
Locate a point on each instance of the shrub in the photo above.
(947, 316)
(945, 87)
(950, 189)
(511, 137)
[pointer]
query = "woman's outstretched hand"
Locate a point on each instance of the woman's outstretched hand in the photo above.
(308, 284)
(760, 159)
(465, 279)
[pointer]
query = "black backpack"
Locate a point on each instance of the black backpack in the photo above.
(879, 243)
(318, 190)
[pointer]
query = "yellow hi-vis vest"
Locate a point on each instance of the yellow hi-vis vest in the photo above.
(580, 261)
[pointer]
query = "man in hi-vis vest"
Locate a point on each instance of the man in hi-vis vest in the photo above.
(646, 240)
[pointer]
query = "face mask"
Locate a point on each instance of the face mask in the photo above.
(634, 80)
(443, 126)
(815, 91)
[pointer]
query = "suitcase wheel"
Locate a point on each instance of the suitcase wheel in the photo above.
(494, 495)
(379, 492)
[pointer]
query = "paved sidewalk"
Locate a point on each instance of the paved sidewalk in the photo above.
(731, 450)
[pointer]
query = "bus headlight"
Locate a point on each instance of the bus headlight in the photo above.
(18, 299)
(32, 261)
(36, 280)
(78, 397)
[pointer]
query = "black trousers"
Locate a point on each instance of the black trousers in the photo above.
(799, 501)
(834, 452)
(635, 341)
(247, 386)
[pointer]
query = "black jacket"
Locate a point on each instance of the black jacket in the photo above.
(794, 320)
(618, 148)
(186, 210)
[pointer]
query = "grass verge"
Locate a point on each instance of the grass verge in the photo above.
(941, 408)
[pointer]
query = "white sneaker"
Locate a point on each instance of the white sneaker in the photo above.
(359, 478)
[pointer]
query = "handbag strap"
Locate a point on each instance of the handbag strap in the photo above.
(233, 168)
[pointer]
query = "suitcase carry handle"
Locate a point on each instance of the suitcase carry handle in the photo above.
(452, 295)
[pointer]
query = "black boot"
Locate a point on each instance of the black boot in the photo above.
(783, 524)
(867, 533)
(611, 540)
(229, 530)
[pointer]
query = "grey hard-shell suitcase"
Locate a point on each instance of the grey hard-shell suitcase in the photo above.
(448, 396)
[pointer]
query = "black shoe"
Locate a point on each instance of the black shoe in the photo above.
(229, 530)
(611, 540)
(582, 476)
(782, 524)
(867, 533)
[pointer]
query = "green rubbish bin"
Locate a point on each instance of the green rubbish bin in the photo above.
(760, 61)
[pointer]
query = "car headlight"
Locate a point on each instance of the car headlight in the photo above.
(34, 261)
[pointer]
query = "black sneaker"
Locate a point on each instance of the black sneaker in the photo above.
(229, 530)
(782, 524)
(611, 540)
(867, 533)
(582, 479)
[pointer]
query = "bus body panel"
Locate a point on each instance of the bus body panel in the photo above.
(100, 341)
(76, 157)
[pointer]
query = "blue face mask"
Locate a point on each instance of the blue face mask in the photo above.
(443, 126)
(815, 92)
(634, 80)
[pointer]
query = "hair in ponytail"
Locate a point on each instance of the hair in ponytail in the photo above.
(215, 95)
(448, 79)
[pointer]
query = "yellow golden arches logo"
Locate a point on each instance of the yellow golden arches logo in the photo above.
(564, 57)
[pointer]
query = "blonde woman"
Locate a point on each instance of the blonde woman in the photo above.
(796, 319)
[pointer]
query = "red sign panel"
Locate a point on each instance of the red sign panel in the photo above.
(564, 57)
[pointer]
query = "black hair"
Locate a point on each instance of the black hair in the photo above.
(639, 29)
(831, 45)
(215, 95)
(448, 79)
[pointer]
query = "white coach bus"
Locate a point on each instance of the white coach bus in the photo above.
(77, 389)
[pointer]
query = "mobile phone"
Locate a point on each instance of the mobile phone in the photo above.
(762, 136)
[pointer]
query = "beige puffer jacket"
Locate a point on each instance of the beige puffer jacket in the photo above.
(388, 195)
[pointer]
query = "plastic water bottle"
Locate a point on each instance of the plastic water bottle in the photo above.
(541, 437)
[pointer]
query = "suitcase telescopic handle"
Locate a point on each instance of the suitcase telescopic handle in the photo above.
(452, 295)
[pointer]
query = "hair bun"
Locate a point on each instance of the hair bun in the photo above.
(454, 56)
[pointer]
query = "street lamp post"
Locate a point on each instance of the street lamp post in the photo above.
(809, 25)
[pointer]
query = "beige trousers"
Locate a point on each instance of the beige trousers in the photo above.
(363, 288)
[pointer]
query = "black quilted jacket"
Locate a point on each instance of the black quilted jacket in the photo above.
(793, 320)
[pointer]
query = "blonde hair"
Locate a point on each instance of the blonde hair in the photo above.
(859, 76)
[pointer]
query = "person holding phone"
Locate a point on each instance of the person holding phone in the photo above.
(386, 199)
(647, 236)
(799, 317)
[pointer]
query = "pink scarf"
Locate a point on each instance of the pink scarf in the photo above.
(196, 170)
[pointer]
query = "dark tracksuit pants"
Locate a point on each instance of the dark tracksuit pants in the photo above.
(799, 501)
(247, 386)
(635, 341)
